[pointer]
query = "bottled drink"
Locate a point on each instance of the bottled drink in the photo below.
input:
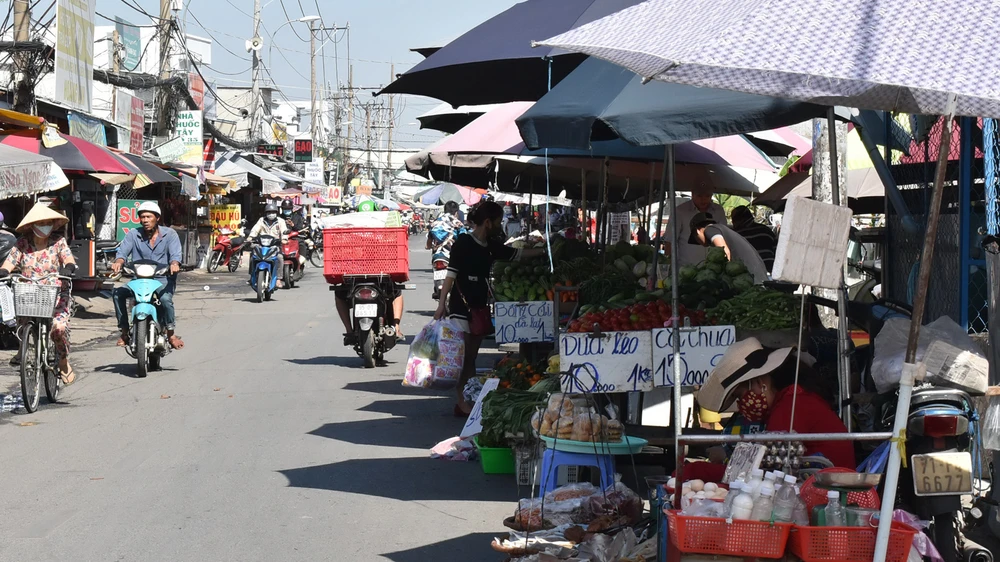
(756, 477)
(764, 506)
(734, 490)
(767, 484)
(785, 501)
(743, 505)
(801, 515)
(834, 512)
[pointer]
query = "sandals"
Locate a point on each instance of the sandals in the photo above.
(67, 377)
(176, 342)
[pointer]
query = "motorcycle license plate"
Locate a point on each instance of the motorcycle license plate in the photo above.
(440, 274)
(942, 474)
(366, 310)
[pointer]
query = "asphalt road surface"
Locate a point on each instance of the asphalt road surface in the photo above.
(263, 440)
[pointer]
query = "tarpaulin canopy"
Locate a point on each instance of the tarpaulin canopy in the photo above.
(495, 62)
(603, 101)
(445, 192)
(70, 153)
(150, 170)
(24, 173)
(270, 182)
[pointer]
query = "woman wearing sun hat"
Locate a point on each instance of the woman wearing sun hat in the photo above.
(42, 251)
(761, 382)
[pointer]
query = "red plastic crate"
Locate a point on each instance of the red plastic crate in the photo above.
(849, 544)
(714, 535)
(365, 251)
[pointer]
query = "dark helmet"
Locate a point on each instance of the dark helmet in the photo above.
(270, 208)
(286, 205)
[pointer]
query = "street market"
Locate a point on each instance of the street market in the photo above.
(650, 281)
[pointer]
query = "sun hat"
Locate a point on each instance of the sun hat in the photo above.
(697, 221)
(744, 361)
(41, 212)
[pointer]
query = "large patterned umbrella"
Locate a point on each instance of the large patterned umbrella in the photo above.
(75, 154)
(445, 192)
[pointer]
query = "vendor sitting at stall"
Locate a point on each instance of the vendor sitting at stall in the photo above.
(761, 382)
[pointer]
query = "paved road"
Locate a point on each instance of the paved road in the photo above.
(263, 440)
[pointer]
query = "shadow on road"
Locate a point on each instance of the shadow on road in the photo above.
(474, 546)
(435, 405)
(84, 314)
(405, 479)
(412, 433)
(390, 386)
(353, 361)
(128, 369)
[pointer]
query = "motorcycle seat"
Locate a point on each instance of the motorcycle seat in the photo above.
(939, 397)
(105, 244)
(238, 241)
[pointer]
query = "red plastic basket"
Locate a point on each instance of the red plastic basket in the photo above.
(365, 251)
(714, 535)
(849, 544)
(812, 495)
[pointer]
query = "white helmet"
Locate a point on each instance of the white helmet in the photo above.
(150, 206)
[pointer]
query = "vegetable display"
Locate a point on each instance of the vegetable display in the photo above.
(506, 411)
(645, 315)
(759, 308)
(517, 373)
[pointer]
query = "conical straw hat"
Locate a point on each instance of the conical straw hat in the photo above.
(41, 212)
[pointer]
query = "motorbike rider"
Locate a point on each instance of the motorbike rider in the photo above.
(445, 228)
(295, 221)
(154, 243)
(268, 225)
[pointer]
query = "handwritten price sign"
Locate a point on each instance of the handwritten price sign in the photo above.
(474, 423)
(524, 322)
(701, 350)
(613, 362)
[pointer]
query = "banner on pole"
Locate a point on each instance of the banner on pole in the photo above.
(190, 131)
(128, 34)
(75, 53)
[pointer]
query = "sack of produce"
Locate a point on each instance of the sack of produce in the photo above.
(450, 353)
(423, 356)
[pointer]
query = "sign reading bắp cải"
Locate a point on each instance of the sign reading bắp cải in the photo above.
(524, 322)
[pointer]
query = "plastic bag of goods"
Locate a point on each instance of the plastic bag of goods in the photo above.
(991, 424)
(423, 356)
(954, 360)
(451, 353)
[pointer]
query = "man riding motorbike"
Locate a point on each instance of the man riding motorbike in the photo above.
(155, 243)
(445, 228)
(297, 222)
(269, 225)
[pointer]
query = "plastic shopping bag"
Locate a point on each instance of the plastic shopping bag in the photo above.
(990, 429)
(450, 353)
(423, 355)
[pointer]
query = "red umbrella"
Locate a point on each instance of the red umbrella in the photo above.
(75, 155)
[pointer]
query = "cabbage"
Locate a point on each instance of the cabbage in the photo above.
(639, 269)
(743, 282)
(735, 268)
(688, 273)
(717, 255)
(706, 276)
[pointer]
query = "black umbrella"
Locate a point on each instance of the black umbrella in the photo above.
(618, 105)
(495, 62)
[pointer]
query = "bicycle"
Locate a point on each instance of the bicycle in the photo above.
(34, 304)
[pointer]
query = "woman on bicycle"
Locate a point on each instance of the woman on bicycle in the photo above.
(42, 251)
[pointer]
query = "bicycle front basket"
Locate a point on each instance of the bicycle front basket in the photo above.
(34, 300)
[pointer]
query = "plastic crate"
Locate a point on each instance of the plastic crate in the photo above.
(365, 251)
(715, 535)
(496, 460)
(528, 462)
(849, 544)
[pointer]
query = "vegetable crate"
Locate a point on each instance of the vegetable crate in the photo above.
(849, 544)
(714, 535)
(365, 251)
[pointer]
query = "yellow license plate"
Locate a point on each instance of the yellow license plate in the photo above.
(942, 474)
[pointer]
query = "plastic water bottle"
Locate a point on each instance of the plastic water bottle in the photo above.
(801, 515)
(785, 501)
(767, 484)
(735, 489)
(756, 477)
(834, 512)
(743, 505)
(764, 506)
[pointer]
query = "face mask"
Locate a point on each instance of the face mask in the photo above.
(753, 406)
(42, 230)
(286, 213)
(270, 216)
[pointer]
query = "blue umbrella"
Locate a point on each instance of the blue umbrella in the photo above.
(618, 106)
(495, 62)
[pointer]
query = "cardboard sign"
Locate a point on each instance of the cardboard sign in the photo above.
(128, 216)
(272, 149)
(474, 425)
(524, 322)
(613, 362)
(702, 348)
(304, 150)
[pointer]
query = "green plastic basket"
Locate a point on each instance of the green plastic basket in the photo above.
(496, 460)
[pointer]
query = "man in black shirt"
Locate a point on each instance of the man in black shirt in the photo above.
(760, 236)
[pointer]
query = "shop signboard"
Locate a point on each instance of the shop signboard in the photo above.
(128, 216)
(130, 39)
(621, 225)
(75, 53)
(196, 85)
(171, 151)
(189, 130)
(702, 347)
(474, 423)
(272, 150)
(524, 322)
(607, 362)
(304, 150)
(334, 195)
(363, 187)
(314, 171)
(208, 154)
(224, 216)
(130, 118)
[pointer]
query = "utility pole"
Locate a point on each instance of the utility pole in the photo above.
(255, 76)
(350, 116)
(163, 106)
(22, 32)
(312, 85)
(392, 122)
(116, 68)
(368, 137)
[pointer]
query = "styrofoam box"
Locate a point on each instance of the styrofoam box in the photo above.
(812, 245)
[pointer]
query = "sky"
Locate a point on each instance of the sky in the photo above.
(382, 32)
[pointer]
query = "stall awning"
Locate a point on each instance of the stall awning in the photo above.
(150, 170)
(26, 173)
(210, 178)
(113, 179)
(271, 183)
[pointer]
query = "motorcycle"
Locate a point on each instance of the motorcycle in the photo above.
(370, 301)
(439, 264)
(294, 263)
(228, 251)
(264, 260)
(148, 344)
(105, 252)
